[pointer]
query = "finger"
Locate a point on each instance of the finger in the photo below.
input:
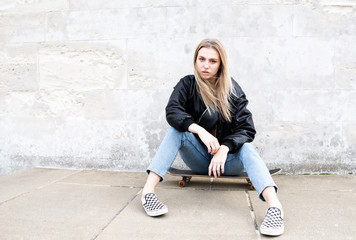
(209, 149)
(222, 169)
(217, 144)
(215, 172)
(213, 150)
(216, 148)
(210, 169)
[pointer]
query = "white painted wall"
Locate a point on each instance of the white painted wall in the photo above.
(84, 83)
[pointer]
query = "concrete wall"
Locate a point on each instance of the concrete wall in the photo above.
(84, 83)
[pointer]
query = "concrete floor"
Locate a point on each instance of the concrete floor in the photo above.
(68, 204)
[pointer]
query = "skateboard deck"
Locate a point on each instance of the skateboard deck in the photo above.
(188, 174)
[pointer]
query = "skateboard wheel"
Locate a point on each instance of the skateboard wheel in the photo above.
(250, 183)
(181, 183)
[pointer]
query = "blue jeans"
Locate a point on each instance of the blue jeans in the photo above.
(197, 158)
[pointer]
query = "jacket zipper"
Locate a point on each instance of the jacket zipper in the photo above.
(202, 115)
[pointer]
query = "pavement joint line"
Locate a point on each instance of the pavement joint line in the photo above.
(203, 188)
(252, 212)
(84, 184)
(10, 199)
(99, 185)
(116, 215)
(58, 180)
(117, 186)
(37, 188)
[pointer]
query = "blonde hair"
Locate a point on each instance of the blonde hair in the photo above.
(215, 97)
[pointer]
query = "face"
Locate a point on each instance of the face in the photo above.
(208, 63)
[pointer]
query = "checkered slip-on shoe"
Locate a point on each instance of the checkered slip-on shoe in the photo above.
(273, 224)
(153, 206)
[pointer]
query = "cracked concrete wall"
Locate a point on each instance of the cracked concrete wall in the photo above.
(84, 83)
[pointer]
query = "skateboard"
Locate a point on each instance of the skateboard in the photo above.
(188, 174)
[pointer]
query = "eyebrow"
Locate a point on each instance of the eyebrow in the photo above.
(216, 59)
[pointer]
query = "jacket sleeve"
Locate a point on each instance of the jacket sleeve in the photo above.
(176, 114)
(242, 126)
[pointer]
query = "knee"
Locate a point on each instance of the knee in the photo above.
(173, 131)
(182, 135)
(248, 146)
(188, 136)
(248, 150)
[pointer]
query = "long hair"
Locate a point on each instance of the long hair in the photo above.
(215, 97)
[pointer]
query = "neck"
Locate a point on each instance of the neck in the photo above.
(212, 82)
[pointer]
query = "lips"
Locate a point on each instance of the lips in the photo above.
(205, 72)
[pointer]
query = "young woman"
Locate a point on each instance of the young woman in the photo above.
(211, 129)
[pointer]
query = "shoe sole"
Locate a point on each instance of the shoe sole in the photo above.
(157, 213)
(272, 232)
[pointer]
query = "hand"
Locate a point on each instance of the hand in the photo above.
(210, 141)
(217, 164)
(207, 138)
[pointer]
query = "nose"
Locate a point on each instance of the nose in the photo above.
(206, 65)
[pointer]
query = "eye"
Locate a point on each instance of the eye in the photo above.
(201, 59)
(213, 61)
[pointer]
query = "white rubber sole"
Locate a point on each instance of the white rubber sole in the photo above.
(272, 232)
(157, 213)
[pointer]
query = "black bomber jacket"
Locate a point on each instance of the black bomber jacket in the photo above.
(186, 106)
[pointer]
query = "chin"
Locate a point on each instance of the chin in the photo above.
(205, 77)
